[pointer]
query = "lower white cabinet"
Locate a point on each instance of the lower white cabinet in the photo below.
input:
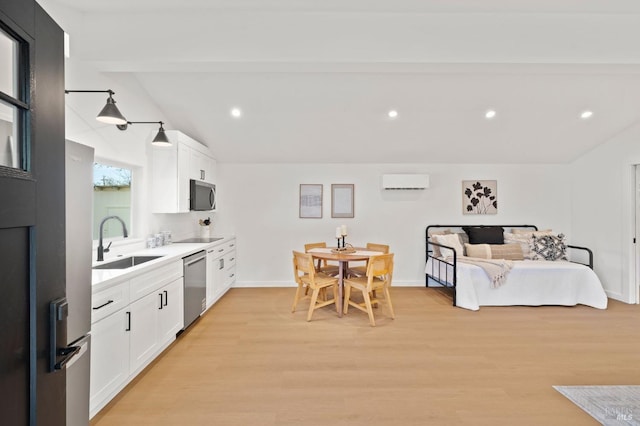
(214, 265)
(155, 320)
(126, 341)
(144, 331)
(109, 358)
(171, 316)
(221, 261)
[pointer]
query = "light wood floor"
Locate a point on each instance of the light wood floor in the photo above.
(249, 361)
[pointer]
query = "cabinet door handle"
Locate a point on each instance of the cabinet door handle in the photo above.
(128, 321)
(221, 264)
(201, 174)
(232, 259)
(160, 294)
(220, 250)
(166, 298)
(103, 305)
(232, 245)
(232, 275)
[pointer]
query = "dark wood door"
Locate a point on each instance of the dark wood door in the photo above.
(32, 251)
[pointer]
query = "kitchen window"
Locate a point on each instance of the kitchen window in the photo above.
(111, 197)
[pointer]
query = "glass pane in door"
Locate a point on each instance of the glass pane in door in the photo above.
(8, 65)
(10, 155)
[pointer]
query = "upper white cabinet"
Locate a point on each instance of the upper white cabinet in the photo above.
(171, 169)
(201, 166)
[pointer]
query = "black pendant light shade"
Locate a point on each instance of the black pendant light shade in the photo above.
(161, 138)
(110, 114)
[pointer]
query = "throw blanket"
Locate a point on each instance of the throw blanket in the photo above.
(496, 269)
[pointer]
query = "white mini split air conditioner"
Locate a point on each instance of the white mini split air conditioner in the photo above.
(405, 181)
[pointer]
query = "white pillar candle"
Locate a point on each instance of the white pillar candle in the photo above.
(344, 230)
(338, 232)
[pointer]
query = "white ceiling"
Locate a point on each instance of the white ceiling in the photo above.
(315, 79)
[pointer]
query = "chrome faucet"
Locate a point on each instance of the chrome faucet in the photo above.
(101, 249)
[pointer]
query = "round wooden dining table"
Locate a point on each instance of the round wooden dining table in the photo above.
(343, 259)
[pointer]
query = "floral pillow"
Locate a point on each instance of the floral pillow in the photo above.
(548, 247)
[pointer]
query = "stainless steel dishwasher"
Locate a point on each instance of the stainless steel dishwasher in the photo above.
(195, 286)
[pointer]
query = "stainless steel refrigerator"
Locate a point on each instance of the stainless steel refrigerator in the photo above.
(79, 218)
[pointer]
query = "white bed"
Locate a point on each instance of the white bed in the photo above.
(530, 283)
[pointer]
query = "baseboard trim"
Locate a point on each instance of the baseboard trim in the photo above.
(267, 284)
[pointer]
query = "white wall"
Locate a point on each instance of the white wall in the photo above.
(602, 210)
(259, 203)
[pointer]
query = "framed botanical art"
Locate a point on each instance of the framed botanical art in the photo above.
(342, 200)
(479, 197)
(310, 205)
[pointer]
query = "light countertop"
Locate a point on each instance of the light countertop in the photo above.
(105, 278)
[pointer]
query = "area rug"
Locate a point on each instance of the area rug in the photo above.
(610, 405)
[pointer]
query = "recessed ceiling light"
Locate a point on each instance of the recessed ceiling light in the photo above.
(586, 114)
(490, 114)
(236, 112)
(393, 114)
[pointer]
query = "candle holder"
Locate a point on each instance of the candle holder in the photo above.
(342, 246)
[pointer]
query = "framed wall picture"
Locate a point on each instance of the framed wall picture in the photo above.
(342, 200)
(479, 197)
(310, 201)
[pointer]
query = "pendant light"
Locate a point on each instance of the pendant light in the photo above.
(110, 114)
(160, 139)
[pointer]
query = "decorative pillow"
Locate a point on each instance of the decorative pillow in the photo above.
(451, 240)
(463, 237)
(481, 251)
(494, 251)
(506, 251)
(530, 231)
(523, 238)
(485, 234)
(436, 249)
(548, 247)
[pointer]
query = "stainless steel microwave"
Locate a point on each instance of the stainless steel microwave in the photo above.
(202, 195)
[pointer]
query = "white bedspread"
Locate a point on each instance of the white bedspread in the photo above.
(530, 283)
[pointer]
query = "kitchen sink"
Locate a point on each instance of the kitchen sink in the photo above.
(126, 262)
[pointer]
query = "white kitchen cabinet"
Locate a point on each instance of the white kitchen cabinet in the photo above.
(215, 264)
(229, 270)
(144, 340)
(109, 358)
(150, 313)
(155, 320)
(171, 316)
(221, 260)
(172, 167)
(201, 166)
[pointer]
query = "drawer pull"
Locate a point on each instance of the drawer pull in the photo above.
(103, 305)
(232, 245)
(232, 259)
(232, 275)
(220, 250)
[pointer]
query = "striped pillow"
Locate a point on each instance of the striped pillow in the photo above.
(495, 251)
(507, 251)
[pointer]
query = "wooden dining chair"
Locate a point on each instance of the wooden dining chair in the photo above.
(323, 265)
(361, 270)
(307, 278)
(378, 277)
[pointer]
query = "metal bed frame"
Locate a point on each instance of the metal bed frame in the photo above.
(436, 263)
